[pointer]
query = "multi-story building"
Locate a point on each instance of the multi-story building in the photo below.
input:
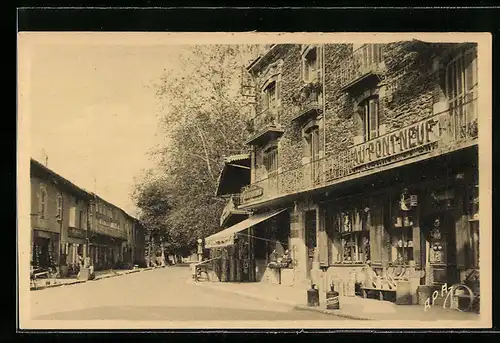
(371, 151)
(68, 221)
(59, 218)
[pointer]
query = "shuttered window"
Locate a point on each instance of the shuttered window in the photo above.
(369, 55)
(461, 90)
(271, 160)
(72, 217)
(43, 202)
(311, 65)
(59, 207)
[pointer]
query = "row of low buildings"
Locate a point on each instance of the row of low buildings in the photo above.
(67, 221)
(362, 166)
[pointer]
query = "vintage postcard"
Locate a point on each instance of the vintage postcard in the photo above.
(254, 180)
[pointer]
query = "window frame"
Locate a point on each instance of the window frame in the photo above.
(461, 92)
(360, 252)
(59, 209)
(270, 101)
(270, 159)
(310, 65)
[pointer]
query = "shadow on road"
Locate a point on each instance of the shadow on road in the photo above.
(180, 314)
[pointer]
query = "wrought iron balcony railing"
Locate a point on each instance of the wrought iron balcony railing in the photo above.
(365, 60)
(310, 102)
(446, 132)
(267, 117)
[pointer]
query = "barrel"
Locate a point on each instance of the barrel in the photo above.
(332, 300)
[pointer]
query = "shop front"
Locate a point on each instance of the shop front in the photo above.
(75, 246)
(106, 252)
(45, 248)
(398, 242)
(253, 250)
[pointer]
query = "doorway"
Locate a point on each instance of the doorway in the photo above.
(310, 229)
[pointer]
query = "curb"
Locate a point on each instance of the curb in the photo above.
(287, 303)
(39, 288)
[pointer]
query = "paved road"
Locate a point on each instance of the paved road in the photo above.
(161, 294)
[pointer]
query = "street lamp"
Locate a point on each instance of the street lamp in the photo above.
(200, 249)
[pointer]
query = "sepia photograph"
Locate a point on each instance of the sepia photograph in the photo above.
(254, 180)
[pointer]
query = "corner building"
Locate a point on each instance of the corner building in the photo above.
(372, 150)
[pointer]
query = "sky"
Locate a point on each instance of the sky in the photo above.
(93, 114)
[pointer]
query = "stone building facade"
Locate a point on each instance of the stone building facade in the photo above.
(67, 221)
(372, 149)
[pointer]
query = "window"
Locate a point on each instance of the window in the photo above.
(351, 240)
(370, 118)
(369, 56)
(312, 137)
(270, 96)
(43, 202)
(81, 221)
(59, 207)
(461, 90)
(311, 65)
(72, 216)
(271, 160)
(271, 165)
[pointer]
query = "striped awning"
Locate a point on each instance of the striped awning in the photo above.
(226, 237)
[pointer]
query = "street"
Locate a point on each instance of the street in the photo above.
(160, 294)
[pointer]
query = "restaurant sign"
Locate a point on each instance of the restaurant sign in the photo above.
(252, 191)
(395, 143)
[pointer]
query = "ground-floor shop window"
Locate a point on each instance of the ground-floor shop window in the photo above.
(348, 231)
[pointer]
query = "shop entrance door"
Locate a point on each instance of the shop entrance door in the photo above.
(439, 229)
(310, 228)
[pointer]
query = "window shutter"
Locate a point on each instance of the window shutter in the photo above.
(72, 217)
(373, 117)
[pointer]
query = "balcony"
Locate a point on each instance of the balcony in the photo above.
(231, 209)
(442, 133)
(309, 102)
(109, 231)
(365, 66)
(266, 127)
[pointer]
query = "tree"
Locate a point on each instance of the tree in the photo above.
(205, 118)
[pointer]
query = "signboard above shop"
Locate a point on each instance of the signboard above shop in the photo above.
(395, 143)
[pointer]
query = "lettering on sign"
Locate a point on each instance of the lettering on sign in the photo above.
(395, 143)
(251, 192)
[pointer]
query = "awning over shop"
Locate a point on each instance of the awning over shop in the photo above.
(226, 237)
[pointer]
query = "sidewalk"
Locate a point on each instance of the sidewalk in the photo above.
(99, 275)
(350, 307)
